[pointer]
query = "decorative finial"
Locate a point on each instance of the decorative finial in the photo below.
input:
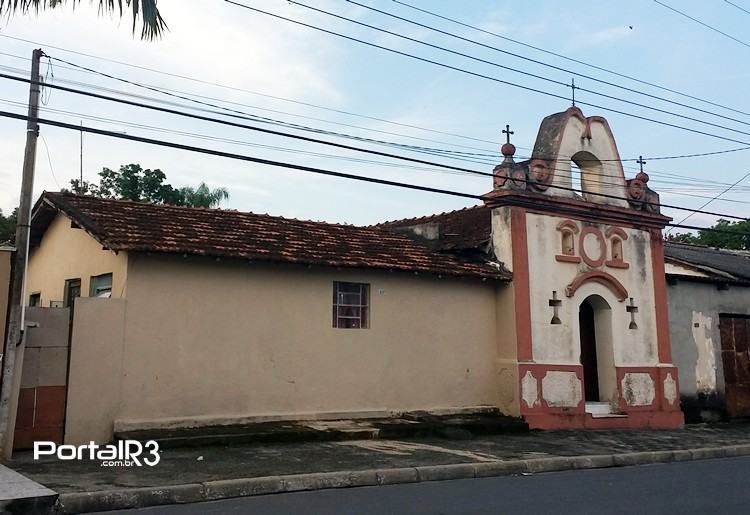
(508, 149)
(641, 176)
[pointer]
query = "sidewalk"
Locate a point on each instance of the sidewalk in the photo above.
(19, 494)
(212, 472)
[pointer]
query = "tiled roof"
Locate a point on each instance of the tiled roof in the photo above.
(468, 228)
(727, 264)
(141, 227)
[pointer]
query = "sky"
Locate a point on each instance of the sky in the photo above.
(261, 66)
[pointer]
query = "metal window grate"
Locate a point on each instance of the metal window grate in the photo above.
(351, 305)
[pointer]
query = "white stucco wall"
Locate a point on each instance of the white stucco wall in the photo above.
(560, 343)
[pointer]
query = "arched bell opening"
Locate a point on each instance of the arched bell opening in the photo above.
(592, 179)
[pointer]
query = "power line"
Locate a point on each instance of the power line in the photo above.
(100, 131)
(293, 166)
(716, 197)
(259, 118)
(704, 24)
(570, 59)
(487, 77)
(286, 134)
(737, 6)
(231, 141)
(411, 148)
(522, 72)
(535, 61)
(234, 88)
(436, 151)
(49, 160)
(432, 151)
(349, 113)
(562, 173)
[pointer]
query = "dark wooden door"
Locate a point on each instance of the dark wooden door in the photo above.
(588, 351)
(735, 356)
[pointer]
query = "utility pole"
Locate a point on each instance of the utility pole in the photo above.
(80, 184)
(18, 279)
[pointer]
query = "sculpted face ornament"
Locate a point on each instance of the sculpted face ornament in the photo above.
(640, 196)
(540, 174)
(500, 176)
(637, 188)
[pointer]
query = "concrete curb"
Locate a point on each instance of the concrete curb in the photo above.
(71, 503)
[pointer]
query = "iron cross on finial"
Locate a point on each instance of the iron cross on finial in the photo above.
(573, 89)
(507, 133)
(641, 162)
(632, 309)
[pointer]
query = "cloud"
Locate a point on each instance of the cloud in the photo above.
(598, 38)
(208, 40)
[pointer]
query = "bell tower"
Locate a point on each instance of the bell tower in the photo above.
(589, 289)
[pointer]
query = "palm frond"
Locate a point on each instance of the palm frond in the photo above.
(153, 25)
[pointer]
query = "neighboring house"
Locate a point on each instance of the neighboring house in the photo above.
(543, 303)
(709, 315)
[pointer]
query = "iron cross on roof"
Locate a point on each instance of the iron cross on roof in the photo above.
(573, 89)
(507, 133)
(641, 162)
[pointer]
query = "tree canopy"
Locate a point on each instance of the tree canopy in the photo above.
(736, 237)
(152, 27)
(8, 227)
(132, 182)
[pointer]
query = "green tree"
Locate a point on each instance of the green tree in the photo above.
(8, 227)
(152, 27)
(203, 196)
(735, 235)
(132, 182)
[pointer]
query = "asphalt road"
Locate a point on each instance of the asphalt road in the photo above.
(700, 487)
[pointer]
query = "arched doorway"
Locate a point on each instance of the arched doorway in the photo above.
(597, 354)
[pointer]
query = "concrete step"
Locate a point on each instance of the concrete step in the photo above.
(418, 424)
(598, 408)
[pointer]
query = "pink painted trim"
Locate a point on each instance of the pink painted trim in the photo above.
(521, 286)
(593, 263)
(602, 278)
(566, 258)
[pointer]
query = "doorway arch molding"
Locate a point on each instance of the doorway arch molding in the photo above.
(603, 278)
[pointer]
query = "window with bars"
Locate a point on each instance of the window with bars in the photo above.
(351, 305)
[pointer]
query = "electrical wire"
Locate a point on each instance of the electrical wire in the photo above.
(241, 90)
(435, 151)
(696, 20)
(737, 6)
(590, 181)
(658, 220)
(515, 70)
(265, 161)
(716, 197)
(49, 161)
(483, 76)
(529, 59)
(349, 113)
(569, 59)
